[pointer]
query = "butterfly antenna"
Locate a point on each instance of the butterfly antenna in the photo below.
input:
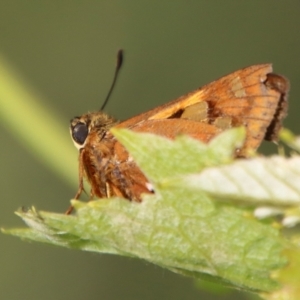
(117, 71)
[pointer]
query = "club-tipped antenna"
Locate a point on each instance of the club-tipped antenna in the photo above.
(118, 67)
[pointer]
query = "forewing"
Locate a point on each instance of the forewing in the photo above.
(253, 97)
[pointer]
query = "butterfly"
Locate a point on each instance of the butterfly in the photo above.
(253, 97)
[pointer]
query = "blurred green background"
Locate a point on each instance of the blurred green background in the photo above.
(65, 52)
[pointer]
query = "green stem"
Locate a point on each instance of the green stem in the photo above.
(23, 114)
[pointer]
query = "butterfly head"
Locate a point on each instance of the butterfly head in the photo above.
(81, 127)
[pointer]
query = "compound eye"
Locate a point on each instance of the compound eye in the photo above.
(79, 133)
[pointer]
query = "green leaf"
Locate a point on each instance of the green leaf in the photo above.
(185, 156)
(179, 228)
(272, 181)
(289, 278)
(192, 237)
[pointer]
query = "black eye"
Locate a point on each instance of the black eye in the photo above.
(79, 133)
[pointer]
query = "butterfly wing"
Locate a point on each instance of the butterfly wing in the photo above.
(253, 97)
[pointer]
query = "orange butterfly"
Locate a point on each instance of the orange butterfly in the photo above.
(253, 97)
